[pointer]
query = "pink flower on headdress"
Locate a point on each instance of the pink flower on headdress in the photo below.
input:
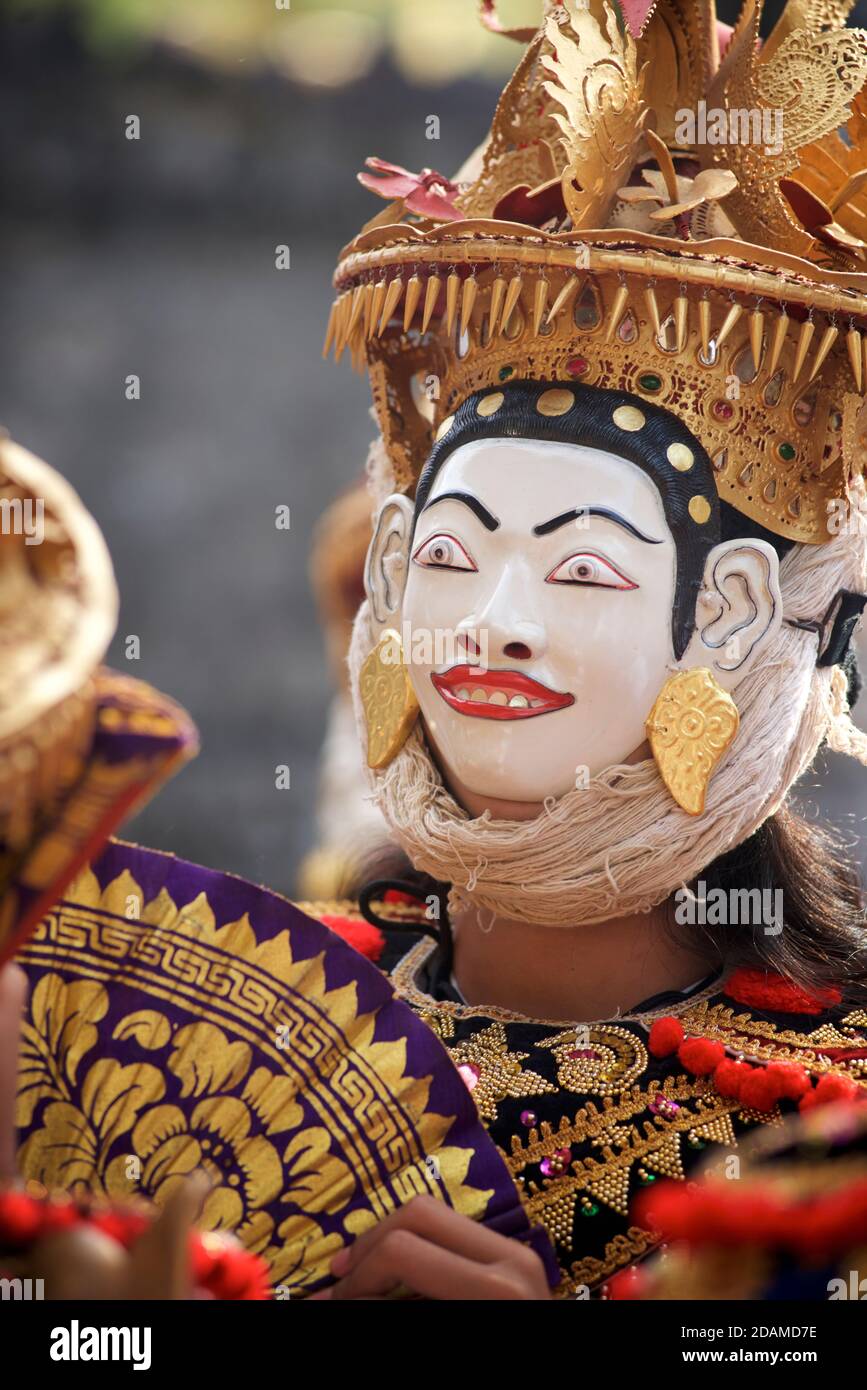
(636, 13)
(429, 194)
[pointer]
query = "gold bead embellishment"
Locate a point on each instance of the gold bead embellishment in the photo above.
(555, 402)
(699, 509)
(489, 405)
(602, 1063)
(629, 417)
(681, 457)
(496, 1072)
(445, 427)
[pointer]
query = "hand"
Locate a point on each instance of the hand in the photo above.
(432, 1251)
(159, 1263)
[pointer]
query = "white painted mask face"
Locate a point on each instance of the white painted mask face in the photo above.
(562, 623)
(534, 600)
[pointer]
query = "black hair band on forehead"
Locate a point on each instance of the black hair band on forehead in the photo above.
(617, 422)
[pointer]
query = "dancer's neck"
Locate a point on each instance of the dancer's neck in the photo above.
(581, 973)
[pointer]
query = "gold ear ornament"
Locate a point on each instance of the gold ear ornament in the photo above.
(692, 723)
(388, 700)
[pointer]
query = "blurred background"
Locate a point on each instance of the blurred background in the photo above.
(156, 257)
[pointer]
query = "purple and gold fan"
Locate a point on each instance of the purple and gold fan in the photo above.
(182, 1019)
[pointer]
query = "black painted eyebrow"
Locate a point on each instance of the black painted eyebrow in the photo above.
(546, 527)
(488, 520)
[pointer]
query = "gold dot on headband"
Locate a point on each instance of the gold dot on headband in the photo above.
(699, 509)
(555, 402)
(680, 456)
(489, 405)
(444, 428)
(628, 417)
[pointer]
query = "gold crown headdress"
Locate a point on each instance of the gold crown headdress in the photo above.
(606, 239)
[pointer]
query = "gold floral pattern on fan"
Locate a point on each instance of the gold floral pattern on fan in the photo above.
(166, 1142)
(158, 1043)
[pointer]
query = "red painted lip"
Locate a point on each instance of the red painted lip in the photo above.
(512, 683)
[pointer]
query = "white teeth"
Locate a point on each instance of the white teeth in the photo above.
(479, 696)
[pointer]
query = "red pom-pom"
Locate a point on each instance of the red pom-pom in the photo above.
(711, 1213)
(701, 1055)
(223, 1268)
(121, 1224)
(245, 1276)
(108, 1224)
(830, 1089)
(761, 989)
(791, 1080)
(364, 937)
(729, 1077)
(625, 1286)
(666, 1035)
(833, 1087)
(759, 1090)
(753, 1217)
(833, 1223)
(20, 1218)
(667, 1209)
(203, 1258)
(59, 1216)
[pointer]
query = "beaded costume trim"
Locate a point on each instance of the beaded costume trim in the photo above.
(405, 975)
(588, 1115)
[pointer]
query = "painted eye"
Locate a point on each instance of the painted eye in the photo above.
(443, 553)
(587, 568)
